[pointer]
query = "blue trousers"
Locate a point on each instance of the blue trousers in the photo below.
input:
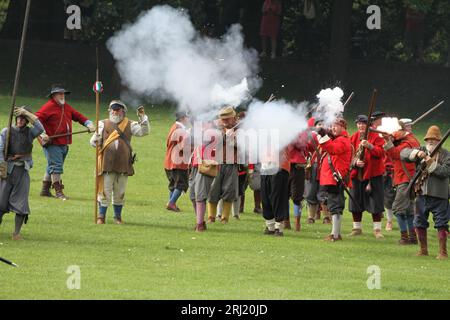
(439, 209)
(55, 155)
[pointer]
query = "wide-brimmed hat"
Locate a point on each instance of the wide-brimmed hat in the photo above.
(57, 88)
(227, 112)
(117, 104)
(433, 133)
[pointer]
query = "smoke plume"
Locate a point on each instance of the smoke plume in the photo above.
(161, 57)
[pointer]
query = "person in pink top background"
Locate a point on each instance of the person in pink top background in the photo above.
(270, 26)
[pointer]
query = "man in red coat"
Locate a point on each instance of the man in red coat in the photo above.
(367, 178)
(402, 206)
(335, 165)
(56, 116)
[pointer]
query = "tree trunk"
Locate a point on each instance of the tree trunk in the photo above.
(340, 39)
(251, 22)
(47, 20)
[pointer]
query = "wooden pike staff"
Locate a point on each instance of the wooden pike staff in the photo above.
(17, 77)
(98, 87)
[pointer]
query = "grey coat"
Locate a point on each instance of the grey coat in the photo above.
(34, 131)
(437, 184)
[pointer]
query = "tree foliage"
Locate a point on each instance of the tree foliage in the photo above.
(300, 37)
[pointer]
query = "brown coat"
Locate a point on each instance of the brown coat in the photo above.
(117, 160)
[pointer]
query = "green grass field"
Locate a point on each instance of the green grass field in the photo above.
(157, 255)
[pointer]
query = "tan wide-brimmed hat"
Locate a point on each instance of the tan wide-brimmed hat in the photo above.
(227, 112)
(117, 104)
(433, 133)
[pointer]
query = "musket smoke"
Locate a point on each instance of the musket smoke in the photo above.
(163, 58)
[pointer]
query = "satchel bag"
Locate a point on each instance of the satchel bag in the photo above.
(207, 167)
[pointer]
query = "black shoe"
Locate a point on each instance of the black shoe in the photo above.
(278, 233)
(268, 232)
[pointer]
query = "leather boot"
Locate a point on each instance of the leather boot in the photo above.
(404, 240)
(412, 236)
(442, 236)
(297, 224)
(58, 186)
(422, 235)
(257, 197)
(45, 192)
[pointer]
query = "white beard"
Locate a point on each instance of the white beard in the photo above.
(430, 147)
(62, 101)
(115, 119)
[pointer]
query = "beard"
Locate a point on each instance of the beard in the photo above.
(430, 147)
(115, 118)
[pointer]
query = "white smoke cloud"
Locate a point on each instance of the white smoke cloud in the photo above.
(163, 58)
(389, 125)
(276, 119)
(330, 105)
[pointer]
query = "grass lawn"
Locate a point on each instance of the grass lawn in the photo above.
(157, 255)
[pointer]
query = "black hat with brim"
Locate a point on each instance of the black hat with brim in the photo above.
(377, 115)
(361, 118)
(57, 89)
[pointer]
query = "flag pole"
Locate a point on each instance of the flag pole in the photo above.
(17, 77)
(98, 87)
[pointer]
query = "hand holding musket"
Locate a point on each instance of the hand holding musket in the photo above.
(44, 139)
(140, 111)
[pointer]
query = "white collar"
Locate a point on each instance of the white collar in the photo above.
(181, 125)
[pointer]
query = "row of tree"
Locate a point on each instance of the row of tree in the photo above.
(410, 29)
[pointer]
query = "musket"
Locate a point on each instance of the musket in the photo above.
(350, 97)
(68, 134)
(17, 76)
(337, 176)
(383, 133)
(8, 262)
(366, 132)
(422, 167)
(427, 113)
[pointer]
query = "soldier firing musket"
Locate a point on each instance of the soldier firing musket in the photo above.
(361, 150)
(431, 185)
(367, 194)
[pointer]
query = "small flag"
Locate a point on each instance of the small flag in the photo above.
(98, 87)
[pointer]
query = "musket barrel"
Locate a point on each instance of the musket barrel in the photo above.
(428, 112)
(17, 76)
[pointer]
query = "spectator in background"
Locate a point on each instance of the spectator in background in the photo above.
(270, 26)
(414, 32)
